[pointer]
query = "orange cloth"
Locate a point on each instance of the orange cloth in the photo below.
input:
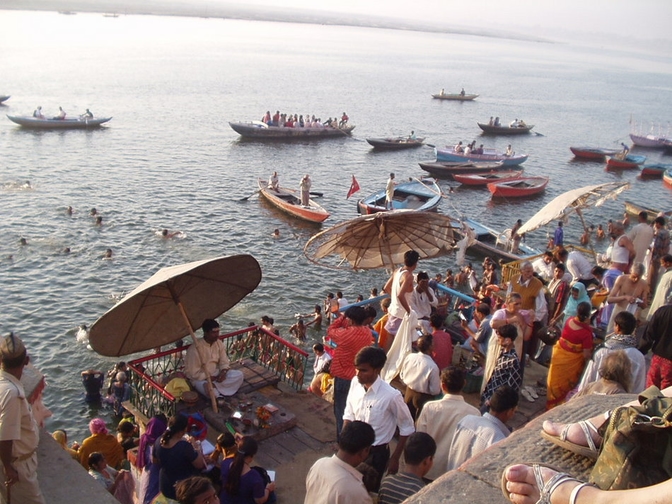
(106, 444)
(383, 334)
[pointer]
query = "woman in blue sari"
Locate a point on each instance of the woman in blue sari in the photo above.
(577, 295)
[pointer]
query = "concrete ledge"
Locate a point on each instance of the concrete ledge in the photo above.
(63, 480)
(478, 481)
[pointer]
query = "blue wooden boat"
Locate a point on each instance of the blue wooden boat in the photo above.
(497, 245)
(449, 154)
(422, 194)
(654, 169)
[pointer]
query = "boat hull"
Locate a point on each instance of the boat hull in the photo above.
(630, 161)
(446, 170)
(505, 130)
(36, 123)
(398, 143)
(455, 97)
(288, 200)
(261, 131)
(4, 98)
(494, 245)
(655, 170)
(449, 155)
(481, 179)
(524, 186)
(422, 195)
(635, 209)
(595, 153)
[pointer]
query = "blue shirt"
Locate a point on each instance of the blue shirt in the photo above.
(558, 237)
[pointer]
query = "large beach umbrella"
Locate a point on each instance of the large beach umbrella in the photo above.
(172, 303)
(572, 201)
(380, 240)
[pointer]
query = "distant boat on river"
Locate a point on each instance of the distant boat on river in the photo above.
(523, 186)
(449, 154)
(595, 153)
(396, 143)
(413, 195)
(454, 96)
(262, 131)
(67, 123)
(521, 129)
(289, 201)
(4, 98)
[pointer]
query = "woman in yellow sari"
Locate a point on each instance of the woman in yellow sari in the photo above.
(569, 357)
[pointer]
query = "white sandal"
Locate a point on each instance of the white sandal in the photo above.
(591, 451)
(547, 488)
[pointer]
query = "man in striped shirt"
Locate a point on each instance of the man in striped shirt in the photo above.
(419, 456)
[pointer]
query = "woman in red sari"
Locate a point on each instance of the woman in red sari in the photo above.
(569, 357)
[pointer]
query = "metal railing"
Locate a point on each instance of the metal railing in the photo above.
(149, 375)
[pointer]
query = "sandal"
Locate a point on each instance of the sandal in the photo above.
(532, 392)
(547, 488)
(526, 394)
(591, 451)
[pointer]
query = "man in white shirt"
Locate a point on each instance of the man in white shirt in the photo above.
(544, 266)
(207, 357)
(422, 300)
(377, 403)
(342, 302)
(641, 236)
(420, 374)
(439, 418)
(334, 480)
(475, 433)
(389, 192)
(578, 266)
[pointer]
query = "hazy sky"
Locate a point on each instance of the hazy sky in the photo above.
(621, 19)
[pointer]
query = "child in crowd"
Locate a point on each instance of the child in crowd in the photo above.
(298, 330)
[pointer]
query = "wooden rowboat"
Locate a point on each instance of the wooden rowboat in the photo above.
(289, 201)
(654, 169)
(524, 186)
(627, 162)
(447, 170)
(422, 195)
(505, 130)
(449, 154)
(455, 96)
(635, 209)
(595, 153)
(480, 179)
(397, 143)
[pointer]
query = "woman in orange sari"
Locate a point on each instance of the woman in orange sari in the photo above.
(569, 357)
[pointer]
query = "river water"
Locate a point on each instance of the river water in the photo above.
(168, 159)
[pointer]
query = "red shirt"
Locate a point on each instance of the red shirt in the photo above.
(443, 349)
(350, 340)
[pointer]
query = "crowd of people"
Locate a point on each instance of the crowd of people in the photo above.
(298, 121)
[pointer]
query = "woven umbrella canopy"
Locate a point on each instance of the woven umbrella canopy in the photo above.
(380, 240)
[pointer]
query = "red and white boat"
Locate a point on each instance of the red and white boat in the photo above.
(596, 153)
(523, 186)
(478, 179)
(624, 163)
(655, 169)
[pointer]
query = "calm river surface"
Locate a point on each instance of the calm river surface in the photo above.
(168, 159)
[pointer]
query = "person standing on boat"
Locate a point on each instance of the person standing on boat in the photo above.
(462, 93)
(19, 434)
(304, 187)
(344, 120)
(38, 112)
(389, 192)
(559, 236)
(273, 182)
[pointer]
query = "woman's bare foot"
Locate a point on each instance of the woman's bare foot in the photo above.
(524, 488)
(575, 434)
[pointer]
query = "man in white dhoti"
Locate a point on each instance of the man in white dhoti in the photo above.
(208, 357)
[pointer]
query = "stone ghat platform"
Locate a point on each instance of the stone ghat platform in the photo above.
(478, 481)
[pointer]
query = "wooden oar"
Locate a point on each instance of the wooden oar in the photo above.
(248, 197)
(316, 194)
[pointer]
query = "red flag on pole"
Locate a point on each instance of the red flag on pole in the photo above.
(354, 187)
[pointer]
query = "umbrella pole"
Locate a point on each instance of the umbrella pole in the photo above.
(585, 230)
(211, 387)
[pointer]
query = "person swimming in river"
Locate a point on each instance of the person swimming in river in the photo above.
(168, 235)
